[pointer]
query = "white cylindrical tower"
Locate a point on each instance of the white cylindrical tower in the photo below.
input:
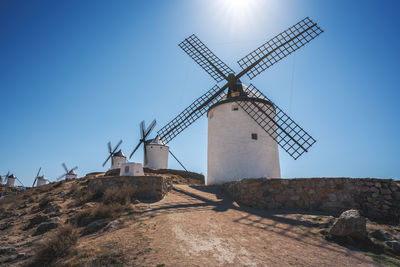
(11, 180)
(156, 156)
(41, 181)
(238, 147)
(71, 175)
(117, 160)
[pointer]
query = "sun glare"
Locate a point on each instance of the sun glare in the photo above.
(238, 4)
(237, 13)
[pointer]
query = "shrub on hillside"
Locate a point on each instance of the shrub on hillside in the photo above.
(57, 246)
(44, 202)
(83, 196)
(101, 211)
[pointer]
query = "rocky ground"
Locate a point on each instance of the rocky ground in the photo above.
(61, 224)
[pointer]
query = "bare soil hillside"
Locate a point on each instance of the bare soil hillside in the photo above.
(61, 224)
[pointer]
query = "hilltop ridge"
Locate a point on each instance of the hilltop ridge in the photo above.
(99, 220)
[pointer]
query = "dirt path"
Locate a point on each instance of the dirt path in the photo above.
(193, 226)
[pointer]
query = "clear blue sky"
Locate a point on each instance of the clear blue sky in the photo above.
(77, 74)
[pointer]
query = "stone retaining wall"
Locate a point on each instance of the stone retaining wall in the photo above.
(146, 187)
(184, 174)
(377, 199)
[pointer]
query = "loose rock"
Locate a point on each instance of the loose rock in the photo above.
(37, 220)
(7, 251)
(45, 227)
(380, 235)
(395, 245)
(350, 223)
(94, 227)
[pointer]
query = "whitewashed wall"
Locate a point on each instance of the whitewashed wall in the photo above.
(116, 162)
(131, 169)
(232, 153)
(157, 156)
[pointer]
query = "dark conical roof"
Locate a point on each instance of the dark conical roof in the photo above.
(119, 154)
(71, 172)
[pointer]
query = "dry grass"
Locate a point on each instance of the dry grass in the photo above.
(74, 188)
(55, 247)
(101, 211)
(44, 203)
(91, 256)
(114, 201)
(121, 195)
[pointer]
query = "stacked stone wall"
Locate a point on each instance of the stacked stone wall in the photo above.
(377, 199)
(145, 187)
(184, 174)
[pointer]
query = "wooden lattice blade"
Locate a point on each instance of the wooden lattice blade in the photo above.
(286, 132)
(203, 56)
(190, 114)
(278, 48)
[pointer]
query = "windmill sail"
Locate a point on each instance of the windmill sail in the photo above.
(190, 114)
(111, 151)
(203, 56)
(286, 132)
(290, 136)
(279, 47)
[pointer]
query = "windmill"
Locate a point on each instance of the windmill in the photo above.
(69, 174)
(155, 151)
(242, 146)
(117, 158)
(158, 159)
(41, 180)
(10, 179)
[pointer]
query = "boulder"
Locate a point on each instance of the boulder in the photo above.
(88, 205)
(94, 227)
(350, 223)
(395, 245)
(45, 227)
(112, 225)
(37, 220)
(52, 208)
(7, 251)
(380, 235)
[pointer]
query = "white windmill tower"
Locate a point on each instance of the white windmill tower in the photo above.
(39, 180)
(244, 126)
(155, 152)
(10, 180)
(69, 174)
(117, 157)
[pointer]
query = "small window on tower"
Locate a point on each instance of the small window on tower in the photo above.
(235, 107)
(254, 136)
(126, 169)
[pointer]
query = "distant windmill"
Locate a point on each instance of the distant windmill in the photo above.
(69, 174)
(41, 180)
(155, 151)
(244, 126)
(117, 158)
(10, 179)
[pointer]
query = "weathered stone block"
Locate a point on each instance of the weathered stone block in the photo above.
(295, 197)
(332, 197)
